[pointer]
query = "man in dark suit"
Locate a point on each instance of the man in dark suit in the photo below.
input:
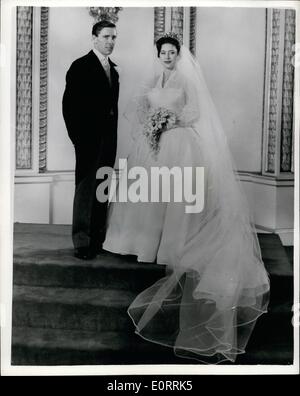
(90, 110)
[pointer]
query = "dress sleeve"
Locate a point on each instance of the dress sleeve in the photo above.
(142, 108)
(138, 107)
(191, 111)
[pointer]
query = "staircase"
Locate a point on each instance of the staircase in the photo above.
(72, 312)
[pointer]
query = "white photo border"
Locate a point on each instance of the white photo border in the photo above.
(7, 171)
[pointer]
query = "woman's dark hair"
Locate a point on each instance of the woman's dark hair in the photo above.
(167, 40)
(101, 25)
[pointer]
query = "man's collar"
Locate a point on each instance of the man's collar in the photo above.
(100, 56)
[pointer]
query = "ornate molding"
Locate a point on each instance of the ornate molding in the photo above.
(273, 94)
(24, 91)
(43, 111)
(105, 13)
(287, 94)
(193, 11)
(177, 21)
(24, 88)
(159, 21)
(279, 91)
(180, 20)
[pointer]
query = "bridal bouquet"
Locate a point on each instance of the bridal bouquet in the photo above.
(158, 121)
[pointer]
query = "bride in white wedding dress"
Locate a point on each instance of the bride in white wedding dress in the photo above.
(216, 285)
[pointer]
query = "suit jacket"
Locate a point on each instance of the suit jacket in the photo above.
(90, 103)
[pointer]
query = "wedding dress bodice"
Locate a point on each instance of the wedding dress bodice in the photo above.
(176, 95)
(168, 98)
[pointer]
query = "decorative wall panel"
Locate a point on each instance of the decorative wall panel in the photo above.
(177, 21)
(159, 22)
(279, 93)
(273, 94)
(24, 88)
(193, 11)
(43, 90)
(287, 93)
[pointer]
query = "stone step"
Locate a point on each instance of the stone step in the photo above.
(69, 311)
(75, 347)
(105, 310)
(36, 346)
(277, 353)
(60, 268)
(281, 289)
(66, 308)
(275, 324)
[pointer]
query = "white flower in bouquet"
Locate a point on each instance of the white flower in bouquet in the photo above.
(158, 121)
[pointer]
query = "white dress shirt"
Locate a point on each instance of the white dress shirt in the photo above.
(106, 66)
(104, 62)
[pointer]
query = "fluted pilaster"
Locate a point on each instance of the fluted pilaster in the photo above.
(177, 21)
(180, 20)
(287, 93)
(159, 21)
(279, 93)
(43, 111)
(193, 11)
(24, 88)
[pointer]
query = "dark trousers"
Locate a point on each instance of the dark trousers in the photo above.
(89, 215)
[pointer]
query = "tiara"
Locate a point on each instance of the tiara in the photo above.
(172, 35)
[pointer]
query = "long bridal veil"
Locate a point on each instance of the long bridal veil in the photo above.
(216, 285)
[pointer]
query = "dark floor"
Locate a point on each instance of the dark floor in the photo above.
(290, 253)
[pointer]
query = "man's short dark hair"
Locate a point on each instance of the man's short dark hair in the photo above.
(101, 25)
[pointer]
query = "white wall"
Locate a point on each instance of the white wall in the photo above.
(70, 38)
(230, 45)
(44, 199)
(49, 199)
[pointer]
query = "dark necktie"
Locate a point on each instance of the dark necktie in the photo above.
(106, 67)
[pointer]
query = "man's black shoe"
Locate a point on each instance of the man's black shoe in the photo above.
(100, 250)
(85, 253)
(97, 247)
